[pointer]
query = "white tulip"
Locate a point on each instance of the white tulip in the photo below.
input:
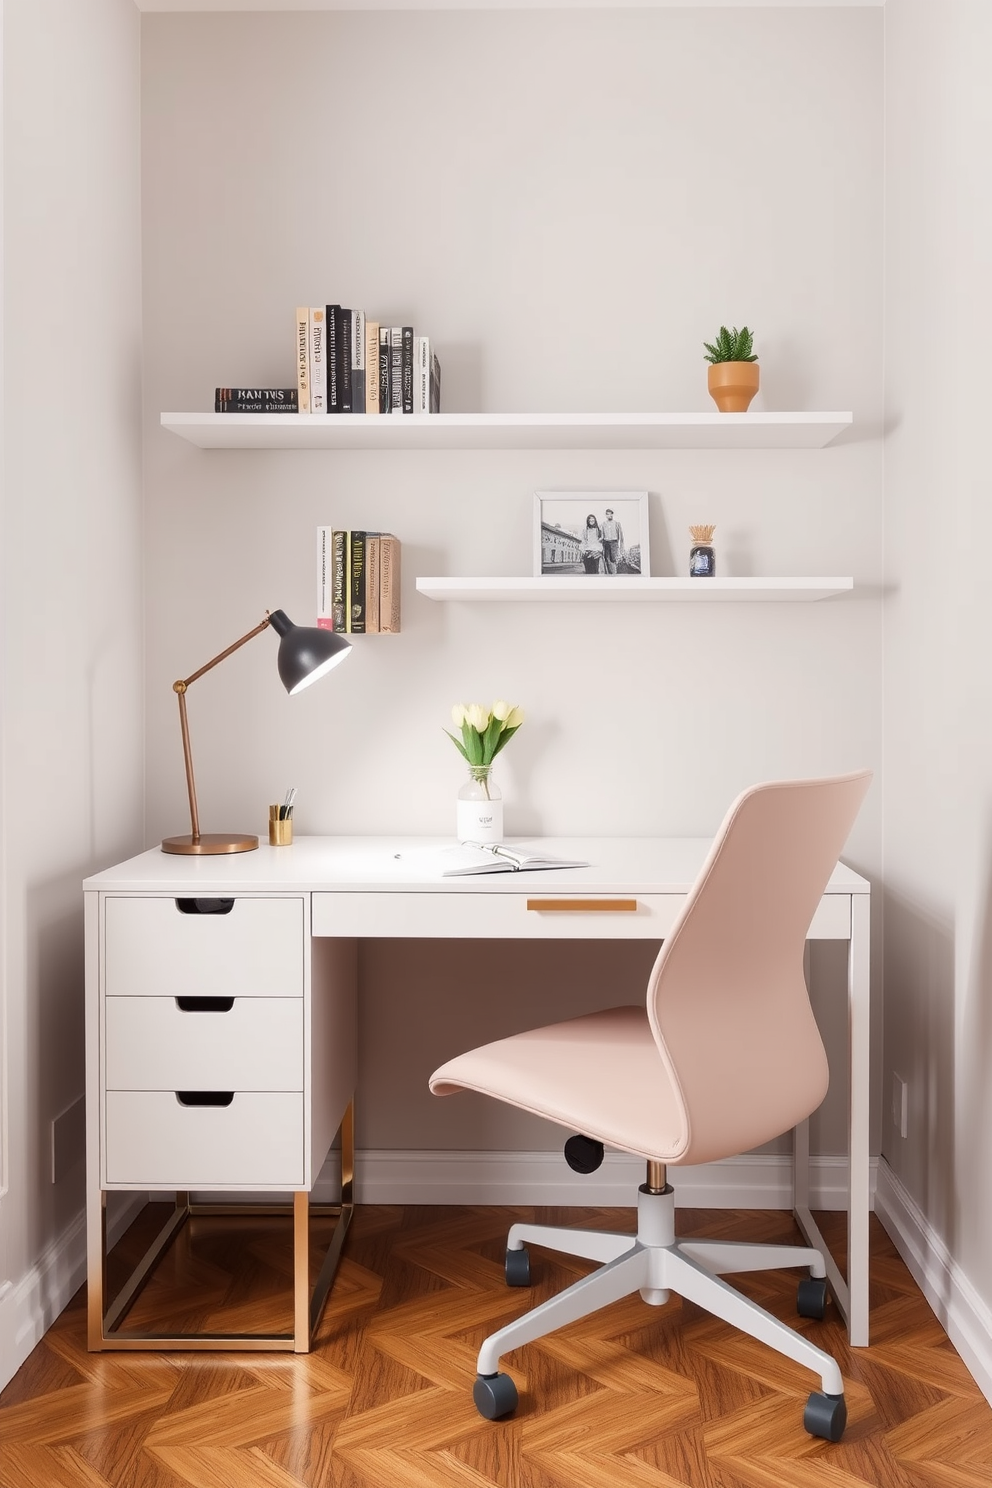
(477, 716)
(458, 714)
(514, 718)
(501, 709)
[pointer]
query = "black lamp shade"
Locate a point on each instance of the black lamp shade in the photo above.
(305, 652)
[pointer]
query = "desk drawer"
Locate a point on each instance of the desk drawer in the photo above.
(153, 949)
(154, 1142)
(153, 1044)
(481, 916)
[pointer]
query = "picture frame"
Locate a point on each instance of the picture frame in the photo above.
(566, 544)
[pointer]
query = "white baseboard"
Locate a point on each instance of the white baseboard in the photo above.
(960, 1310)
(29, 1307)
(753, 1181)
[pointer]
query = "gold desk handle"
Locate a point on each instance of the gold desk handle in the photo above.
(583, 906)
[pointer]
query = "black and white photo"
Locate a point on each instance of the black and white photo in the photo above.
(582, 533)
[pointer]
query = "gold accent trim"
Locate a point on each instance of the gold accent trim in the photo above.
(105, 1334)
(583, 906)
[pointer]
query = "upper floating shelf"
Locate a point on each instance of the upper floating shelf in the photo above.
(509, 431)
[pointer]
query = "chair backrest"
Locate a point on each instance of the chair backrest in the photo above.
(727, 997)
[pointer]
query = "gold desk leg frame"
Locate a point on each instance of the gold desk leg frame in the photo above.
(104, 1332)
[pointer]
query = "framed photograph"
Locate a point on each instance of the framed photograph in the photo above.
(591, 532)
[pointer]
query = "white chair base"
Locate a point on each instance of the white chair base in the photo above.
(655, 1264)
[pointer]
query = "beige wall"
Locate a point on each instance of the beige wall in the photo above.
(570, 208)
(938, 696)
(72, 566)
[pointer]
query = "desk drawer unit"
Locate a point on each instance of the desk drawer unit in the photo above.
(163, 947)
(204, 1042)
(243, 1139)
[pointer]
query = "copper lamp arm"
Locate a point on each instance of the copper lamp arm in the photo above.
(180, 689)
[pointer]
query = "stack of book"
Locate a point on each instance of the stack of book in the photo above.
(358, 582)
(346, 363)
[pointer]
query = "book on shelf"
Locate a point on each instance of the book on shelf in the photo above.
(256, 400)
(371, 366)
(303, 357)
(358, 361)
(333, 342)
(407, 369)
(396, 369)
(497, 857)
(427, 377)
(358, 581)
(325, 578)
(373, 541)
(344, 362)
(385, 362)
(318, 360)
(339, 586)
(389, 584)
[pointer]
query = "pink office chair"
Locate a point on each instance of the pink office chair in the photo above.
(725, 1056)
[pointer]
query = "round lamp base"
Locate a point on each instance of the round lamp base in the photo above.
(209, 842)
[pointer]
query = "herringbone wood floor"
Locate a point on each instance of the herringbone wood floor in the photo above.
(635, 1397)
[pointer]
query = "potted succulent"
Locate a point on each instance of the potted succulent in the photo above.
(732, 376)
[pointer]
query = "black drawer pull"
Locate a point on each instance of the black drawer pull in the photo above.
(204, 1004)
(204, 1097)
(204, 906)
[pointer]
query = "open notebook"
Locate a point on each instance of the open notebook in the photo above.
(496, 857)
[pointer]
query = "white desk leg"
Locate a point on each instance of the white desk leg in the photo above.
(851, 1293)
(859, 1198)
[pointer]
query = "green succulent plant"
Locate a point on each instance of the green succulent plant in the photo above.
(731, 346)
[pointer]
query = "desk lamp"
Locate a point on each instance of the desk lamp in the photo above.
(305, 653)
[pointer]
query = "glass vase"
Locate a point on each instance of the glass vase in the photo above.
(480, 807)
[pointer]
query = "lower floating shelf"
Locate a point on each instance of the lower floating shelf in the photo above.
(623, 588)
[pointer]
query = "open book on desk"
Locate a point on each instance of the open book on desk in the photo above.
(496, 857)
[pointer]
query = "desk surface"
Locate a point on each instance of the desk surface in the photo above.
(644, 865)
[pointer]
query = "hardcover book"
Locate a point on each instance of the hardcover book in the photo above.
(435, 394)
(422, 374)
(256, 400)
(356, 582)
(371, 366)
(396, 369)
(318, 361)
(333, 342)
(325, 578)
(339, 581)
(303, 357)
(385, 364)
(407, 365)
(389, 584)
(344, 361)
(358, 361)
(373, 541)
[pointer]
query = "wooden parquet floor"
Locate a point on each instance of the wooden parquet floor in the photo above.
(634, 1397)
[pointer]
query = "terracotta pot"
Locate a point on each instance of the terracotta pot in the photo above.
(732, 385)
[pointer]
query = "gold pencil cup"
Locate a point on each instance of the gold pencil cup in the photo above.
(280, 828)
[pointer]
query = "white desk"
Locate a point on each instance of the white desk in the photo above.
(283, 956)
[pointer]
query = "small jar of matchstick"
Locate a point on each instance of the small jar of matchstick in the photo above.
(702, 559)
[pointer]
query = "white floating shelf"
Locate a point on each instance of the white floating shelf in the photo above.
(624, 589)
(510, 431)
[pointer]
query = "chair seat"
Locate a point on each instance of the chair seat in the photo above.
(600, 1074)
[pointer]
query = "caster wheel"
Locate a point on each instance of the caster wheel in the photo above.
(495, 1395)
(825, 1415)
(811, 1297)
(518, 1267)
